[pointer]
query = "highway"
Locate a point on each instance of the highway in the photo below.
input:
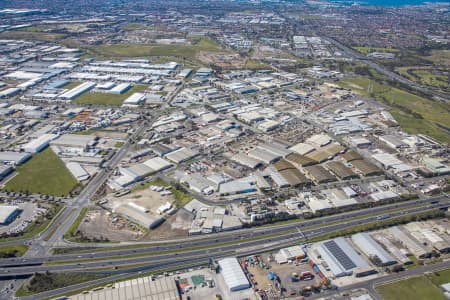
(235, 236)
(191, 258)
(21, 267)
(262, 233)
(391, 75)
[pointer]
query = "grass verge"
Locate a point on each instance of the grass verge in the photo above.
(71, 233)
(42, 282)
(412, 288)
(13, 251)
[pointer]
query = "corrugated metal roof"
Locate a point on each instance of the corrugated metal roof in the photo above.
(233, 274)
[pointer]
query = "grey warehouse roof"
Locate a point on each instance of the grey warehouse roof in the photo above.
(371, 248)
(341, 257)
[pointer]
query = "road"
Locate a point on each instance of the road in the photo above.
(372, 283)
(55, 232)
(391, 75)
(191, 258)
(20, 267)
(228, 237)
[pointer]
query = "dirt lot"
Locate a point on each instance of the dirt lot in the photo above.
(98, 223)
(174, 227)
(224, 60)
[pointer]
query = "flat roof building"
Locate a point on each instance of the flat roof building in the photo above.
(340, 170)
(302, 148)
(320, 174)
(342, 259)
(233, 274)
(181, 155)
(246, 160)
(5, 171)
(240, 186)
(264, 155)
(137, 215)
(158, 164)
(300, 160)
(77, 91)
(39, 143)
(366, 168)
(8, 213)
(372, 249)
(164, 288)
(14, 158)
(77, 171)
(75, 141)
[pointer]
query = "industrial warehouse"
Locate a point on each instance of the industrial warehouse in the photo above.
(203, 150)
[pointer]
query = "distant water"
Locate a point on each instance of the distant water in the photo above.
(390, 2)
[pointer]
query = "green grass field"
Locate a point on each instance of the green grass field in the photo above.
(415, 114)
(134, 26)
(12, 251)
(108, 99)
(366, 50)
(37, 28)
(252, 64)
(413, 288)
(439, 277)
(424, 76)
(45, 174)
(31, 35)
(131, 50)
(439, 57)
(71, 85)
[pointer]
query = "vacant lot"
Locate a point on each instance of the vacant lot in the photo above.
(108, 99)
(439, 57)
(98, 224)
(71, 85)
(131, 50)
(366, 50)
(413, 288)
(45, 174)
(31, 35)
(414, 114)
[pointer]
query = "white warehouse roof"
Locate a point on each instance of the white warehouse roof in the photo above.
(77, 171)
(233, 274)
(157, 164)
(8, 213)
(38, 144)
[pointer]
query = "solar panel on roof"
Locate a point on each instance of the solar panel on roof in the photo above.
(337, 252)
